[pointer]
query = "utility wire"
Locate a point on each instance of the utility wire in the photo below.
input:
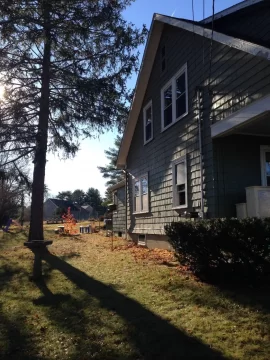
(193, 18)
(211, 45)
(203, 49)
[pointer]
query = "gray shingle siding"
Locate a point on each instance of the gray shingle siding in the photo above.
(119, 216)
(236, 79)
(237, 166)
(252, 26)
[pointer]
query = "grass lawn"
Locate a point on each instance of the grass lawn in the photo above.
(130, 303)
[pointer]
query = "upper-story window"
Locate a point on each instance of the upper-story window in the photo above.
(140, 194)
(148, 122)
(174, 99)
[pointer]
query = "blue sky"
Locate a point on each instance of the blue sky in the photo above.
(81, 172)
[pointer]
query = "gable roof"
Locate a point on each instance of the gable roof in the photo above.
(151, 47)
(88, 208)
(231, 10)
(64, 204)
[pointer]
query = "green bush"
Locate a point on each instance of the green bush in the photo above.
(229, 250)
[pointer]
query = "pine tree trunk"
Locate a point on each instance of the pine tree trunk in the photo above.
(36, 223)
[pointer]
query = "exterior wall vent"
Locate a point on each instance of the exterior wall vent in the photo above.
(142, 240)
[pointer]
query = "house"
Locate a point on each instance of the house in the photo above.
(119, 213)
(91, 212)
(197, 140)
(54, 208)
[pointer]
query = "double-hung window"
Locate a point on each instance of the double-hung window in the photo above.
(140, 195)
(179, 175)
(174, 99)
(148, 122)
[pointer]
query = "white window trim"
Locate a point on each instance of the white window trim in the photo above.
(176, 162)
(142, 242)
(263, 150)
(172, 82)
(149, 104)
(140, 194)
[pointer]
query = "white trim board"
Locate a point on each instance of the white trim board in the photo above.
(239, 44)
(141, 86)
(149, 58)
(241, 117)
(231, 10)
(117, 186)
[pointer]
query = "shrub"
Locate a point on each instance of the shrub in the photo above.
(223, 249)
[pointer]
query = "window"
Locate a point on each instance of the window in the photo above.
(179, 175)
(140, 195)
(142, 239)
(148, 122)
(174, 99)
(265, 165)
(163, 58)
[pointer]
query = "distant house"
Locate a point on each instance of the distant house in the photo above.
(54, 207)
(92, 213)
(197, 139)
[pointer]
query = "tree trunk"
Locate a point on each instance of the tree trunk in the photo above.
(36, 223)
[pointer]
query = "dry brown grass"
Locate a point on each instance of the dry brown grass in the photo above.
(129, 303)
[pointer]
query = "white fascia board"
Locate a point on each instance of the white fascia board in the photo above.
(142, 82)
(246, 46)
(117, 186)
(241, 117)
(230, 10)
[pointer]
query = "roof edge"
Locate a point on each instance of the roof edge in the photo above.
(230, 10)
(117, 186)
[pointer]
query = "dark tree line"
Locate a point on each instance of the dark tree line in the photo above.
(91, 197)
(14, 187)
(110, 171)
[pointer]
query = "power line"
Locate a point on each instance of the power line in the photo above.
(211, 45)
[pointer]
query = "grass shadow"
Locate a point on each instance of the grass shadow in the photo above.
(257, 298)
(15, 340)
(79, 332)
(152, 336)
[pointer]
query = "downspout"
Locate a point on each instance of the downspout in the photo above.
(126, 208)
(200, 148)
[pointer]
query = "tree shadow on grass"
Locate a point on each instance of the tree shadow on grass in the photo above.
(79, 335)
(257, 298)
(8, 271)
(15, 341)
(153, 337)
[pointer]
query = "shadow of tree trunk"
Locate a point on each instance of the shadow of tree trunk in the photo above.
(154, 337)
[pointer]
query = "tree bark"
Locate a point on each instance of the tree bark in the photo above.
(36, 223)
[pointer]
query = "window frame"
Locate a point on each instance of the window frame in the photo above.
(172, 83)
(139, 178)
(182, 159)
(147, 106)
(263, 149)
